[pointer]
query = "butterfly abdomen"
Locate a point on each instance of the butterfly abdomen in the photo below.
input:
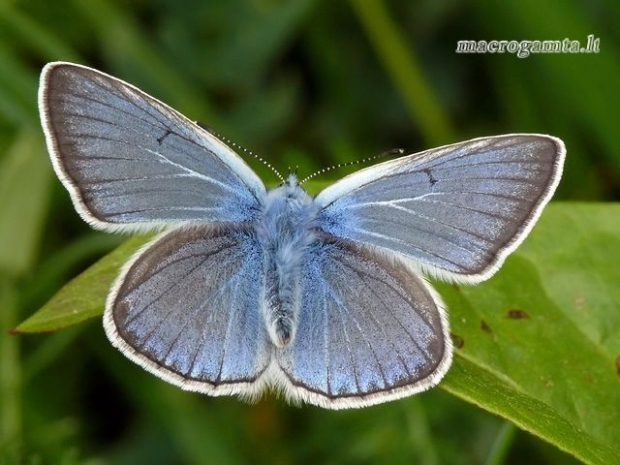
(285, 232)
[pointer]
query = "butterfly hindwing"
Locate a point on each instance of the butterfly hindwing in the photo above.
(187, 308)
(368, 330)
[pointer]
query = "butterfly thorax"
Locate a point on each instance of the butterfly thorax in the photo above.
(285, 230)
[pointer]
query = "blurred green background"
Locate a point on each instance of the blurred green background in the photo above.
(302, 83)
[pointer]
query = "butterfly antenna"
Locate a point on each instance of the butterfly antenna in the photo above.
(239, 148)
(387, 153)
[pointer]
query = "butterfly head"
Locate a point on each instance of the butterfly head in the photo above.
(291, 187)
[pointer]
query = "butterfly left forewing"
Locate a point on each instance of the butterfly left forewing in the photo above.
(369, 330)
(130, 162)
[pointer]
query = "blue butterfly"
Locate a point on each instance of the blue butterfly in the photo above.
(247, 289)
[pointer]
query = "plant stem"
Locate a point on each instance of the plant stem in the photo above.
(501, 445)
(390, 45)
(10, 394)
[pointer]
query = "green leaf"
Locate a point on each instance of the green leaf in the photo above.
(83, 297)
(540, 340)
(254, 35)
(25, 177)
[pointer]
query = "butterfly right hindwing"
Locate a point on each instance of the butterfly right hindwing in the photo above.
(369, 330)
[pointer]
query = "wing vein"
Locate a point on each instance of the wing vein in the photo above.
(402, 296)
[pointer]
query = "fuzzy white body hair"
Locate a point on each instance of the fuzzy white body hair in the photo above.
(285, 231)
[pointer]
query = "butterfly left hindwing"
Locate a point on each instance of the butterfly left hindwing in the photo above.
(188, 309)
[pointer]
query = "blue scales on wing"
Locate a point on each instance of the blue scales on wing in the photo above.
(131, 162)
(456, 211)
(188, 309)
(368, 330)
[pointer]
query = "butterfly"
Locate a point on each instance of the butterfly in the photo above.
(249, 289)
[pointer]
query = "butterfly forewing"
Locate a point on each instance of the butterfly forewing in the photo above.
(188, 309)
(369, 330)
(129, 161)
(456, 210)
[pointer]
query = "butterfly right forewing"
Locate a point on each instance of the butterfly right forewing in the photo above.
(456, 211)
